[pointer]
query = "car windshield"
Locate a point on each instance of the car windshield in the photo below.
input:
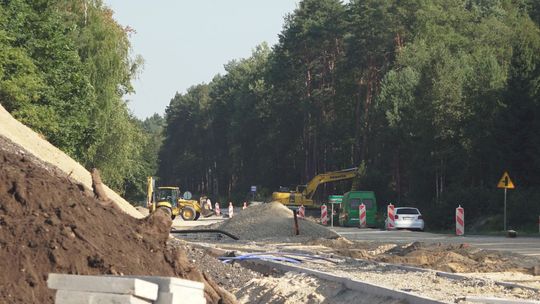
(407, 211)
(355, 203)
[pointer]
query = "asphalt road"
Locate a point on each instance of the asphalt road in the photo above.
(524, 245)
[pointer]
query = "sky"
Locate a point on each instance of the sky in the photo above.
(185, 43)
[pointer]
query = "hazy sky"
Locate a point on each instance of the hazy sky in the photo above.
(186, 42)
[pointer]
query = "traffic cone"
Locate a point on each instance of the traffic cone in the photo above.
(245, 205)
(231, 210)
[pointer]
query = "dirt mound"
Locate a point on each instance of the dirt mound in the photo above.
(272, 220)
(461, 258)
(457, 258)
(49, 223)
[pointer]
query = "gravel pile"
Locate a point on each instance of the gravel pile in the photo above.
(271, 221)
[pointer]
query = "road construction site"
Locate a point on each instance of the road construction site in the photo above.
(58, 218)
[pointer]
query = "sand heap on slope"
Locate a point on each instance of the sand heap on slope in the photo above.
(271, 220)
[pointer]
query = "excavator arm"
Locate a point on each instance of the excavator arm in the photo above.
(311, 187)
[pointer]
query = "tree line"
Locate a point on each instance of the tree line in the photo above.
(437, 99)
(64, 67)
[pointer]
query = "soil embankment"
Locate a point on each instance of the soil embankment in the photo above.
(52, 223)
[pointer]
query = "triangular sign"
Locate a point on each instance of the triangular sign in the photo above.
(506, 182)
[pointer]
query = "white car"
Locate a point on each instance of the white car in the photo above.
(408, 218)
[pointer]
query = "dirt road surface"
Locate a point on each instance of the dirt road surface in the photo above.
(529, 246)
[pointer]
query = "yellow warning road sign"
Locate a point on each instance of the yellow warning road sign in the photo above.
(506, 182)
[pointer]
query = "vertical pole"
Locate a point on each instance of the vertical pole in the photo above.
(332, 216)
(505, 209)
(296, 230)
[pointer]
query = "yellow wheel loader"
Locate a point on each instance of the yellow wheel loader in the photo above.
(172, 202)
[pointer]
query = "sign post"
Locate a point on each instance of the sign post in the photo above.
(253, 190)
(506, 183)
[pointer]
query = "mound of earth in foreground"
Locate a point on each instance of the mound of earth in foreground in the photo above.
(271, 221)
(51, 224)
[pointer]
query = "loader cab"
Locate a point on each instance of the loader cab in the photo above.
(168, 194)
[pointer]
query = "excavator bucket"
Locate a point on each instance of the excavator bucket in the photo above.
(206, 212)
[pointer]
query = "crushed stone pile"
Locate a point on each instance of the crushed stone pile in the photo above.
(50, 223)
(271, 221)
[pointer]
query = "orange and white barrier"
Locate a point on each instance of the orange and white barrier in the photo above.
(460, 221)
(218, 211)
(245, 206)
(390, 223)
(231, 210)
(324, 215)
(302, 211)
(362, 215)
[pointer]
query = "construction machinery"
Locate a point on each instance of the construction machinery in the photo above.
(173, 202)
(303, 194)
(349, 212)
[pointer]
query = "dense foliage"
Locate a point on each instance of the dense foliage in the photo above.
(436, 97)
(64, 67)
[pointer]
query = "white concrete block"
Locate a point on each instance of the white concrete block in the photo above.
(170, 284)
(103, 284)
(83, 297)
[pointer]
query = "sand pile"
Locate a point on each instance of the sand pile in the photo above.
(272, 220)
(49, 223)
(295, 288)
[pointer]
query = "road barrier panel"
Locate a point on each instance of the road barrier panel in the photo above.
(390, 223)
(460, 220)
(324, 215)
(362, 214)
(301, 211)
(217, 209)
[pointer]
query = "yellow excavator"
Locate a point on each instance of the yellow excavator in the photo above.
(303, 195)
(173, 203)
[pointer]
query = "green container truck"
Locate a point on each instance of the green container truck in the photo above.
(349, 208)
